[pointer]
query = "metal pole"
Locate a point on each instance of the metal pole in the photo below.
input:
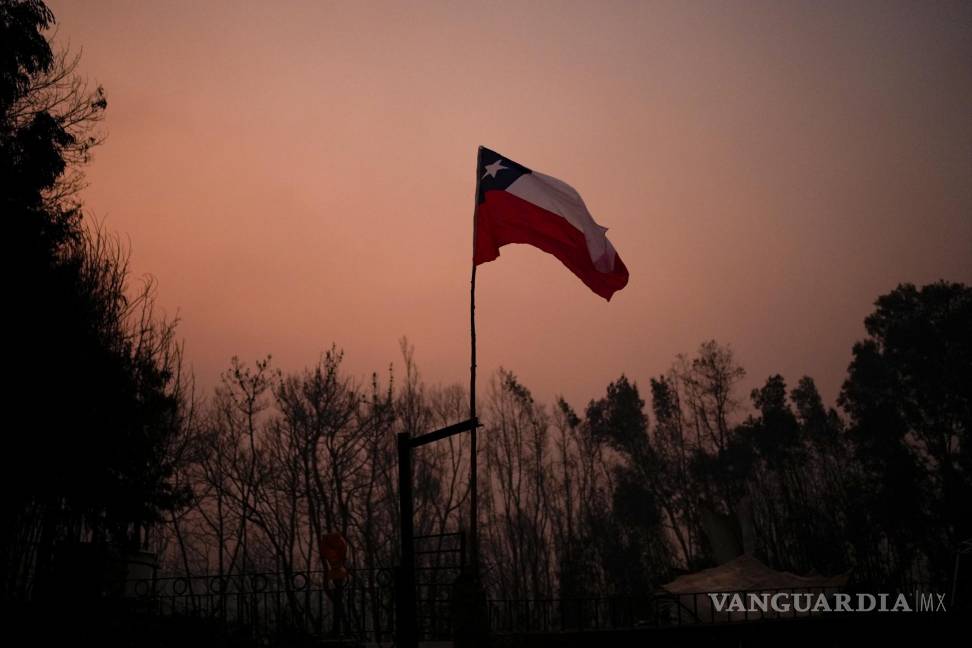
(965, 547)
(473, 469)
(406, 591)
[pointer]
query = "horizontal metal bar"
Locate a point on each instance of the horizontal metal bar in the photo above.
(445, 432)
(439, 535)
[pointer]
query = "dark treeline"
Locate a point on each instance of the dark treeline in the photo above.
(94, 391)
(114, 452)
(612, 499)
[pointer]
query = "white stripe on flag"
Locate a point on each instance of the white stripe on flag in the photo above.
(558, 197)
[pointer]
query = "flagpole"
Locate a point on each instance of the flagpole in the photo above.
(474, 505)
(473, 469)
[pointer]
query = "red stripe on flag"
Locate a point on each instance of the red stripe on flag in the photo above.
(503, 218)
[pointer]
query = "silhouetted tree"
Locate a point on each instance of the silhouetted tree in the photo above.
(637, 555)
(96, 373)
(909, 398)
(677, 494)
(518, 474)
(581, 479)
(791, 478)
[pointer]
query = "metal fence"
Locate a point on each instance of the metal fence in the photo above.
(625, 611)
(306, 603)
(272, 604)
(363, 608)
(439, 559)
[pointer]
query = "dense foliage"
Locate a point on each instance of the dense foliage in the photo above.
(94, 375)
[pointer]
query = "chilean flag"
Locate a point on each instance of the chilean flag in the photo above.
(517, 205)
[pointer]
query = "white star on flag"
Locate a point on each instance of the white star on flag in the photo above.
(494, 168)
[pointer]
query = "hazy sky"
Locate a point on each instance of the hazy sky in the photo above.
(301, 173)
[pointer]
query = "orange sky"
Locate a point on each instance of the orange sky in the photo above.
(301, 173)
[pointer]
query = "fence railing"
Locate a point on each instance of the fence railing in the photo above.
(363, 607)
(306, 603)
(650, 610)
(263, 604)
